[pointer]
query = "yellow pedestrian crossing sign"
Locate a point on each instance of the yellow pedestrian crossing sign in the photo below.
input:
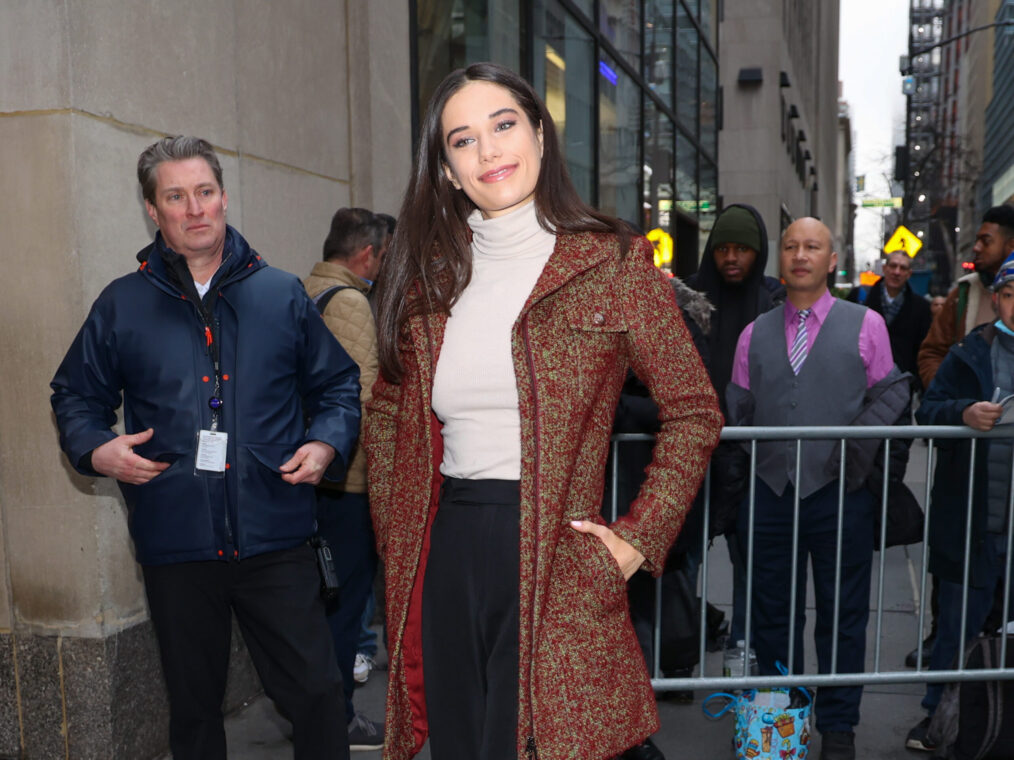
(905, 240)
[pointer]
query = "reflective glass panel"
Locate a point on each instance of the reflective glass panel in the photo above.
(658, 182)
(455, 33)
(620, 23)
(709, 104)
(686, 174)
(709, 201)
(709, 22)
(619, 130)
(686, 70)
(658, 48)
(563, 62)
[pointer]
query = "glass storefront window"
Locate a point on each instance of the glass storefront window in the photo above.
(620, 23)
(686, 173)
(658, 182)
(658, 48)
(564, 54)
(454, 33)
(709, 22)
(587, 6)
(709, 103)
(709, 201)
(686, 70)
(620, 132)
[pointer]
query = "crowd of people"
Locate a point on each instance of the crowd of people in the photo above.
(491, 341)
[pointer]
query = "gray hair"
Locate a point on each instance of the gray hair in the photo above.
(177, 148)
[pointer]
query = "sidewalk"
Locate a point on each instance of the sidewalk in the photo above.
(888, 712)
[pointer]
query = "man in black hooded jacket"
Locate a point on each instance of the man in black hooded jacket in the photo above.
(732, 277)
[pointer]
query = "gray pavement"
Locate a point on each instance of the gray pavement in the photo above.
(257, 732)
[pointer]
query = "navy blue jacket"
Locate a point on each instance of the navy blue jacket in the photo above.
(964, 377)
(285, 381)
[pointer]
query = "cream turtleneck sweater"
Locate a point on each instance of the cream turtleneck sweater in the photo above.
(475, 392)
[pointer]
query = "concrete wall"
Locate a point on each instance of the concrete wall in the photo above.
(308, 104)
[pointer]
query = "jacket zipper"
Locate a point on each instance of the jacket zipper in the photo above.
(530, 746)
(209, 336)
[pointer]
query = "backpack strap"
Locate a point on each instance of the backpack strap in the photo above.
(323, 298)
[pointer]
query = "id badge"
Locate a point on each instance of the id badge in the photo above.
(212, 447)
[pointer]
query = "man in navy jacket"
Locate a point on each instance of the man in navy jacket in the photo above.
(236, 402)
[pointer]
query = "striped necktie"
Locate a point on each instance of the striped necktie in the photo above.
(798, 353)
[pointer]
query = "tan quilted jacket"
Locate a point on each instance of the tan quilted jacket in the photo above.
(350, 319)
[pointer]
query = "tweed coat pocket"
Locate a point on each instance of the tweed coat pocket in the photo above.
(588, 664)
(606, 576)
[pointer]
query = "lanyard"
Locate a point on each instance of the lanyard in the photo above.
(215, 402)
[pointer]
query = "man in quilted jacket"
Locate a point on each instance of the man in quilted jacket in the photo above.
(339, 286)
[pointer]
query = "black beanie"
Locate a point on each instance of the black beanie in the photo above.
(736, 225)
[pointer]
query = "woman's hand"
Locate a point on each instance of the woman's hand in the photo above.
(626, 556)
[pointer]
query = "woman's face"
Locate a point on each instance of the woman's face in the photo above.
(493, 151)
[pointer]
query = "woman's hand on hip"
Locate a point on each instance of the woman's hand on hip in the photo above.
(626, 556)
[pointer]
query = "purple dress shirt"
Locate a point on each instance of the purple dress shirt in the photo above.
(874, 342)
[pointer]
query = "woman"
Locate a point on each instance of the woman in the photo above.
(509, 312)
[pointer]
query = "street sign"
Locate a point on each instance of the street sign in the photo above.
(905, 240)
(882, 203)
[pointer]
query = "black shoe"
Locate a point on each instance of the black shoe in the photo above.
(918, 737)
(838, 745)
(646, 750)
(911, 659)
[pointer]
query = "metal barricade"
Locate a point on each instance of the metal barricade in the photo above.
(750, 436)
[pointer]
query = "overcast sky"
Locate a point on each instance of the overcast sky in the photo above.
(874, 33)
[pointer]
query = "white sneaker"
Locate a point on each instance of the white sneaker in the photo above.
(362, 667)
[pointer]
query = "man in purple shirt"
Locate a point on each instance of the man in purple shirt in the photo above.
(814, 361)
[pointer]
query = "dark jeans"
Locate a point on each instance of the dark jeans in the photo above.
(470, 621)
(980, 603)
(837, 708)
(276, 599)
(344, 520)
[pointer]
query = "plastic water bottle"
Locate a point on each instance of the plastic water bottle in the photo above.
(732, 666)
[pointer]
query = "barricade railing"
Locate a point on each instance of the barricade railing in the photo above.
(750, 436)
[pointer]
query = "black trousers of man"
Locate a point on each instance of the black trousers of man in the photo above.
(277, 603)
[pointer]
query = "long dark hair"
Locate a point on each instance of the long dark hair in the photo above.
(429, 264)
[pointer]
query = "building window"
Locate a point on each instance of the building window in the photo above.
(563, 53)
(620, 128)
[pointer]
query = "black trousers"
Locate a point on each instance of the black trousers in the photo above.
(277, 603)
(344, 520)
(470, 622)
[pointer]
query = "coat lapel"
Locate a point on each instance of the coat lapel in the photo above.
(573, 254)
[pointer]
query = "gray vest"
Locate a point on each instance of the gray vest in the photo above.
(828, 390)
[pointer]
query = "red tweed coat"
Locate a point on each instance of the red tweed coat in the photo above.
(584, 691)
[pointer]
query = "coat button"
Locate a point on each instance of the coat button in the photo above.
(599, 318)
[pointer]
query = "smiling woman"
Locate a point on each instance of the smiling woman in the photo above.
(493, 151)
(509, 314)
